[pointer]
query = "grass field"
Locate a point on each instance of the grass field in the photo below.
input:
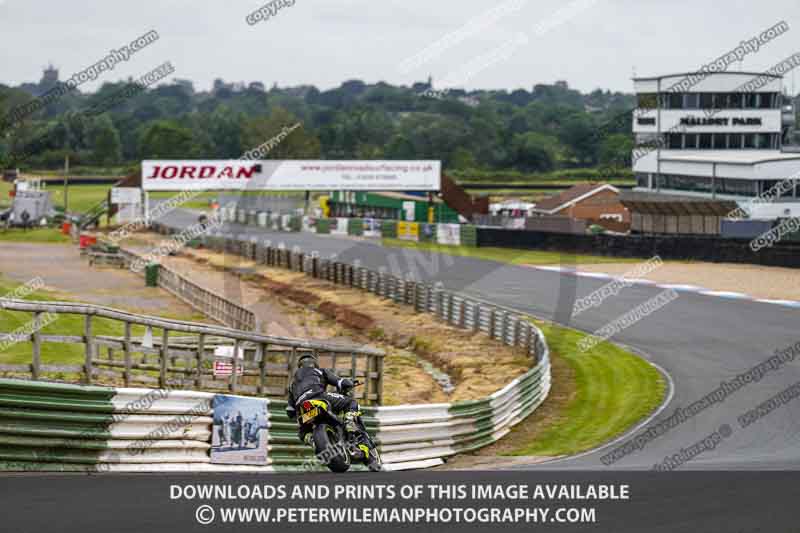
(52, 353)
(66, 324)
(507, 255)
(84, 197)
(612, 390)
(38, 235)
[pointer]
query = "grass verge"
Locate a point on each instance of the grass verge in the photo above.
(38, 235)
(507, 255)
(66, 324)
(600, 395)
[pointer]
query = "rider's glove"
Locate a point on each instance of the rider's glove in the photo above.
(345, 384)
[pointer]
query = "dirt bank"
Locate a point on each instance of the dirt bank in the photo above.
(299, 304)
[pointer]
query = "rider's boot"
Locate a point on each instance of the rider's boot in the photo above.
(374, 461)
(356, 437)
(350, 424)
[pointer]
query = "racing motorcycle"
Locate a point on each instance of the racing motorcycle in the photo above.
(333, 445)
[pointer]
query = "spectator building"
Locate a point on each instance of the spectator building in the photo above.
(716, 136)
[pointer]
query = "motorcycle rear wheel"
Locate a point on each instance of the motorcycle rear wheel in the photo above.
(339, 461)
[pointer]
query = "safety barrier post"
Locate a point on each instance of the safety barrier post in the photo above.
(127, 347)
(37, 345)
(87, 338)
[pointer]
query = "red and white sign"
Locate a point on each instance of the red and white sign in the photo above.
(293, 175)
(223, 368)
(223, 365)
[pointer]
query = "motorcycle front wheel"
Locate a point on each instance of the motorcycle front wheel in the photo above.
(330, 450)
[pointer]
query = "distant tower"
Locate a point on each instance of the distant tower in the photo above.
(49, 76)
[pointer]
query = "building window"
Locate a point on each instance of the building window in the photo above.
(765, 100)
(705, 141)
(736, 187)
(677, 182)
(691, 141)
(692, 100)
(647, 100)
(750, 100)
(675, 141)
(642, 180)
(735, 141)
(675, 101)
(763, 140)
(735, 101)
(720, 141)
(790, 192)
(646, 139)
(720, 101)
(706, 100)
(749, 140)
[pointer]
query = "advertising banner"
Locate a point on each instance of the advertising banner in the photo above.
(408, 231)
(294, 175)
(410, 211)
(126, 195)
(339, 226)
(129, 213)
(372, 227)
(448, 234)
(239, 432)
(274, 221)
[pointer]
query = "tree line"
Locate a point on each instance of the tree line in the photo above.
(548, 128)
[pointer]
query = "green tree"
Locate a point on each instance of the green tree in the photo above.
(104, 142)
(616, 149)
(400, 147)
(534, 152)
(463, 159)
(578, 133)
(298, 144)
(165, 139)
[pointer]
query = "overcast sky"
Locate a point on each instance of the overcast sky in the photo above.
(588, 43)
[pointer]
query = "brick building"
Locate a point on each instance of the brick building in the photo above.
(596, 203)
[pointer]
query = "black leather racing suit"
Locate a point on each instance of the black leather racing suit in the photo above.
(311, 383)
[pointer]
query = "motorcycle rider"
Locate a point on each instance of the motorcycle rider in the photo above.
(310, 382)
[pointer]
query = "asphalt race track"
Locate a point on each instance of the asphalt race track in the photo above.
(698, 341)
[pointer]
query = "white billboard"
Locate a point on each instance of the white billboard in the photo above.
(291, 175)
(126, 195)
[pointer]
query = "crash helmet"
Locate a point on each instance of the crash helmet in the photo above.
(308, 360)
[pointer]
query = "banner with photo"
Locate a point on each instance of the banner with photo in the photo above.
(448, 234)
(372, 227)
(339, 226)
(239, 431)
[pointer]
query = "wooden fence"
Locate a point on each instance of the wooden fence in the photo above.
(167, 353)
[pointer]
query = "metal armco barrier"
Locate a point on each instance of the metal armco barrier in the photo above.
(421, 436)
(409, 436)
(58, 427)
(511, 328)
(55, 427)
